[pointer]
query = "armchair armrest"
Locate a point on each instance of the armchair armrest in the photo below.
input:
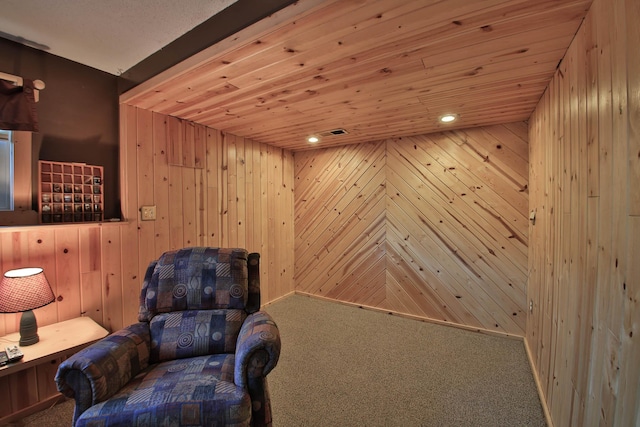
(258, 348)
(97, 372)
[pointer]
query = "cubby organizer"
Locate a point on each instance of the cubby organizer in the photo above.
(70, 192)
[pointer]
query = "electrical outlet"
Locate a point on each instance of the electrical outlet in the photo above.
(148, 213)
(530, 306)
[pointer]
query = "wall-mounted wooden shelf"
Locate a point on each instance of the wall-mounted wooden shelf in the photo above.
(70, 192)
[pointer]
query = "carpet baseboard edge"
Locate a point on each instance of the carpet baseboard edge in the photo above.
(413, 316)
(543, 402)
(266, 304)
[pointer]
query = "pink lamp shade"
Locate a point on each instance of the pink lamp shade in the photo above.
(24, 290)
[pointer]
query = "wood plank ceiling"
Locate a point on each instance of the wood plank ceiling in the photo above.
(376, 68)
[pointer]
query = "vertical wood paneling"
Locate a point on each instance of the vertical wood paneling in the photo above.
(269, 261)
(583, 258)
(97, 270)
(252, 196)
(24, 385)
(70, 257)
(44, 374)
(264, 223)
(433, 226)
(161, 225)
(145, 160)
(121, 250)
(188, 145)
(10, 257)
(201, 206)
(112, 291)
(189, 207)
(214, 192)
(176, 206)
(91, 269)
(232, 189)
(175, 140)
(41, 244)
(632, 11)
(224, 188)
(200, 146)
(287, 230)
(67, 259)
(240, 225)
(629, 394)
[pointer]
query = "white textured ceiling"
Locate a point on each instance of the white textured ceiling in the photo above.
(110, 35)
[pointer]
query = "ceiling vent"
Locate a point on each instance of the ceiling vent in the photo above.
(333, 132)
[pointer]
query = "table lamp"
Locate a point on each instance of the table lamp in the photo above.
(24, 290)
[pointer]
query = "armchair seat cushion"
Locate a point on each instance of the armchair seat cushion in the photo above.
(196, 391)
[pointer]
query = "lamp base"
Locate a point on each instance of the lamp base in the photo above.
(28, 329)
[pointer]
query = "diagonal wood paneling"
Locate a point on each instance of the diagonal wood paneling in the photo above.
(438, 221)
(340, 222)
(447, 229)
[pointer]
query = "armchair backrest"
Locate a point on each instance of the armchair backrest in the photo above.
(195, 300)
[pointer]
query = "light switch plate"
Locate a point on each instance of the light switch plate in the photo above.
(148, 213)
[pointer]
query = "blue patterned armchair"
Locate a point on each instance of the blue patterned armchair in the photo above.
(199, 355)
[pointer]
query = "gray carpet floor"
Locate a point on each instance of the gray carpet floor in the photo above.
(344, 366)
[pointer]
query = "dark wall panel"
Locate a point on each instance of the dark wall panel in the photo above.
(78, 113)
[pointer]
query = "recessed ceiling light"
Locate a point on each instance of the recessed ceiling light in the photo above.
(448, 118)
(313, 139)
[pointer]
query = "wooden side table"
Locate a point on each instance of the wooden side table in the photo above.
(56, 340)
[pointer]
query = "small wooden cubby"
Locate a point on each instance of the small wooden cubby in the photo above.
(70, 192)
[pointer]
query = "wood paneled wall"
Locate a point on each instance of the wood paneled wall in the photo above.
(72, 258)
(212, 189)
(584, 332)
(209, 188)
(433, 226)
